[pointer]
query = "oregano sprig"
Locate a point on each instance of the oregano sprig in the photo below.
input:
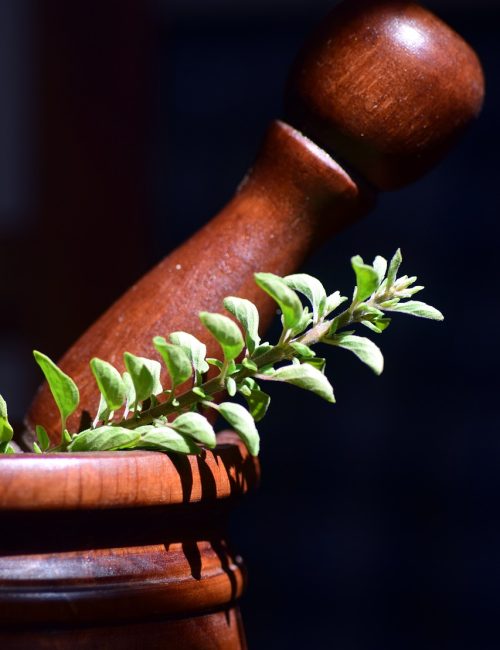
(135, 412)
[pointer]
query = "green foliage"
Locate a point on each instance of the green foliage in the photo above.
(145, 376)
(363, 348)
(136, 413)
(246, 313)
(226, 332)
(110, 383)
(305, 376)
(287, 299)
(176, 360)
(63, 388)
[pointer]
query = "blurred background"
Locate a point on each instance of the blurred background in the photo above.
(126, 125)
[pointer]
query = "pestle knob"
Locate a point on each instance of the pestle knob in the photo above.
(367, 88)
(386, 87)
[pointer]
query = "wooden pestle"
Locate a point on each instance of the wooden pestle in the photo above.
(387, 87)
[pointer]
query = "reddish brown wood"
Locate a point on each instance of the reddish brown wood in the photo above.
(387, 86)
(122, 548)
(125, 479)
(403, 106)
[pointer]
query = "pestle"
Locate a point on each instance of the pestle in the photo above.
(377, 96)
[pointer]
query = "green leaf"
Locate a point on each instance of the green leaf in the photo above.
(42, 437)
(363, 348)
(145, 375)
(243, 423)
(333, 301)
(103, 412)
(165, 439)
(303, 323)
(225, 331)
(417, 308)
(312, 289)
(366, 278)
(303, 351)
(63, 388)
(6, 431)
(287, 299)
(37, 449)
(246, 313)
(258, 402)
(317, 362)
(231, 386)
(129, 388)
(394, 268)
(176, 360)
(195, 426)
(105, 438)
(110, 383)
(6, 448)
(378, 325)
(305, 376)
(380, 266)
(195, 349)
(249, 365)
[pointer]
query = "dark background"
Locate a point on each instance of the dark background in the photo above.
(125, 126)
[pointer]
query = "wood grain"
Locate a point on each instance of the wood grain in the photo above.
(123, 548)
(125, 479)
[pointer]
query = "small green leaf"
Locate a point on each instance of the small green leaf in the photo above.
(215, 362)
(394, 268)
(317, 362)
(363, 348)
(165, 439)
(6, 431)
(145, 375)
(231, 386)
(225, 331)
(417, 308)
(63, 388)
(303, 351)
(195, 426)
(6, 448)
(258, 402)
(367, 280)
(37, 449)
(305, 376)
(195, 349)
(378, 325)
(110, 383)
(42, 437)
(129, 388)
(176, 360)
(287, 299)
(246, 313)
(243, 423)
(380, 266)
(105, 438)
(103, 412)
(249, 365)
(312, 289)
(303, 323)
(333, 301)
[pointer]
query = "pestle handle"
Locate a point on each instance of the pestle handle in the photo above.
(388, 86)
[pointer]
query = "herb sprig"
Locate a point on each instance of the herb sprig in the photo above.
(135, 412)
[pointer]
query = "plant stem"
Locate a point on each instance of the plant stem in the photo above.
(283, 351)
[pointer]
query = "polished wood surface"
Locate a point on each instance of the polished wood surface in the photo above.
(407, 86)
(387, 86)
(122, 550)
(126, 479)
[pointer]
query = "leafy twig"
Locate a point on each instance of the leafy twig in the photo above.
(171, 420)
